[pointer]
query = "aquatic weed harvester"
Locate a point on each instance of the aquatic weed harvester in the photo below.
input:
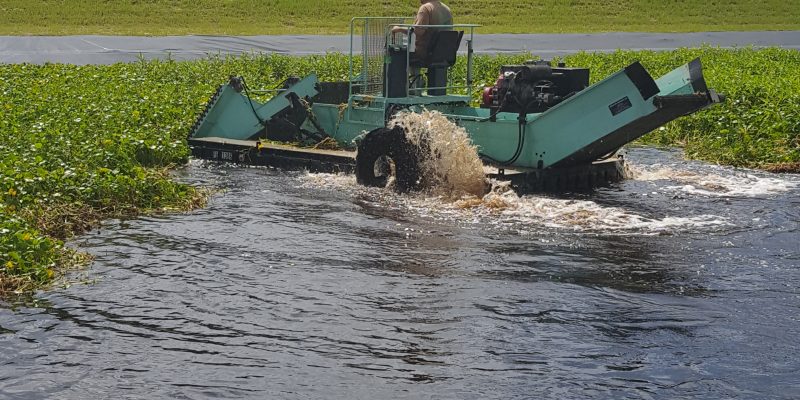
(540, 126)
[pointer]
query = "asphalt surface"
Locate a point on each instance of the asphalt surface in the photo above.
(113, 49)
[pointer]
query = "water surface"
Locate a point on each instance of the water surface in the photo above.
(682, 283)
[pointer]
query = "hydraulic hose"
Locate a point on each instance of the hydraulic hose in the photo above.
(250, 101)
(520, 144)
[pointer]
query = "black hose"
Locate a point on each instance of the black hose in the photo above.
(520, 138)
(491, 116)
(520, 145)
(522, 125)
(250, 100)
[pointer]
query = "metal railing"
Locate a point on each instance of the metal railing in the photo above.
(375, 37)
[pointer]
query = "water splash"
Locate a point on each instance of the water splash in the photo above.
(726, 183)
(504, 209)
(583, 215)
(452, 168)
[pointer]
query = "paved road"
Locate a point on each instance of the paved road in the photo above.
(111, 49)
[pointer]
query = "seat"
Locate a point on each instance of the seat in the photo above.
(441, 55)
(442, 50)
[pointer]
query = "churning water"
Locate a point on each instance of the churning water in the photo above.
(451, 166)
(680, 283)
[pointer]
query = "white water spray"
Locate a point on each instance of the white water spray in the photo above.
(452, 168)
(727, 183)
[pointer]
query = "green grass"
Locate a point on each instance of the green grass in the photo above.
(255, 17)
(83, 143)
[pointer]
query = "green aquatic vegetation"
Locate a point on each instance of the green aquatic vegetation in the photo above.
(79, 144)
(29, 257)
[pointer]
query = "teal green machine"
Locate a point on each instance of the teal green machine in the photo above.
(539, 125)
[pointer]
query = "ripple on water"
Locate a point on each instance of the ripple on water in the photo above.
(296, 285)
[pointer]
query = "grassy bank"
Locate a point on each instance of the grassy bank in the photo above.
(84, 143)
(255, 17)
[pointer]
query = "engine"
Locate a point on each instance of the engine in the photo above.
(533, 87)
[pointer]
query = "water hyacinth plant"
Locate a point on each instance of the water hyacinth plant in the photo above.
(82, 143)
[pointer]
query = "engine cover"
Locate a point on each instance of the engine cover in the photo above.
(533, 87)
